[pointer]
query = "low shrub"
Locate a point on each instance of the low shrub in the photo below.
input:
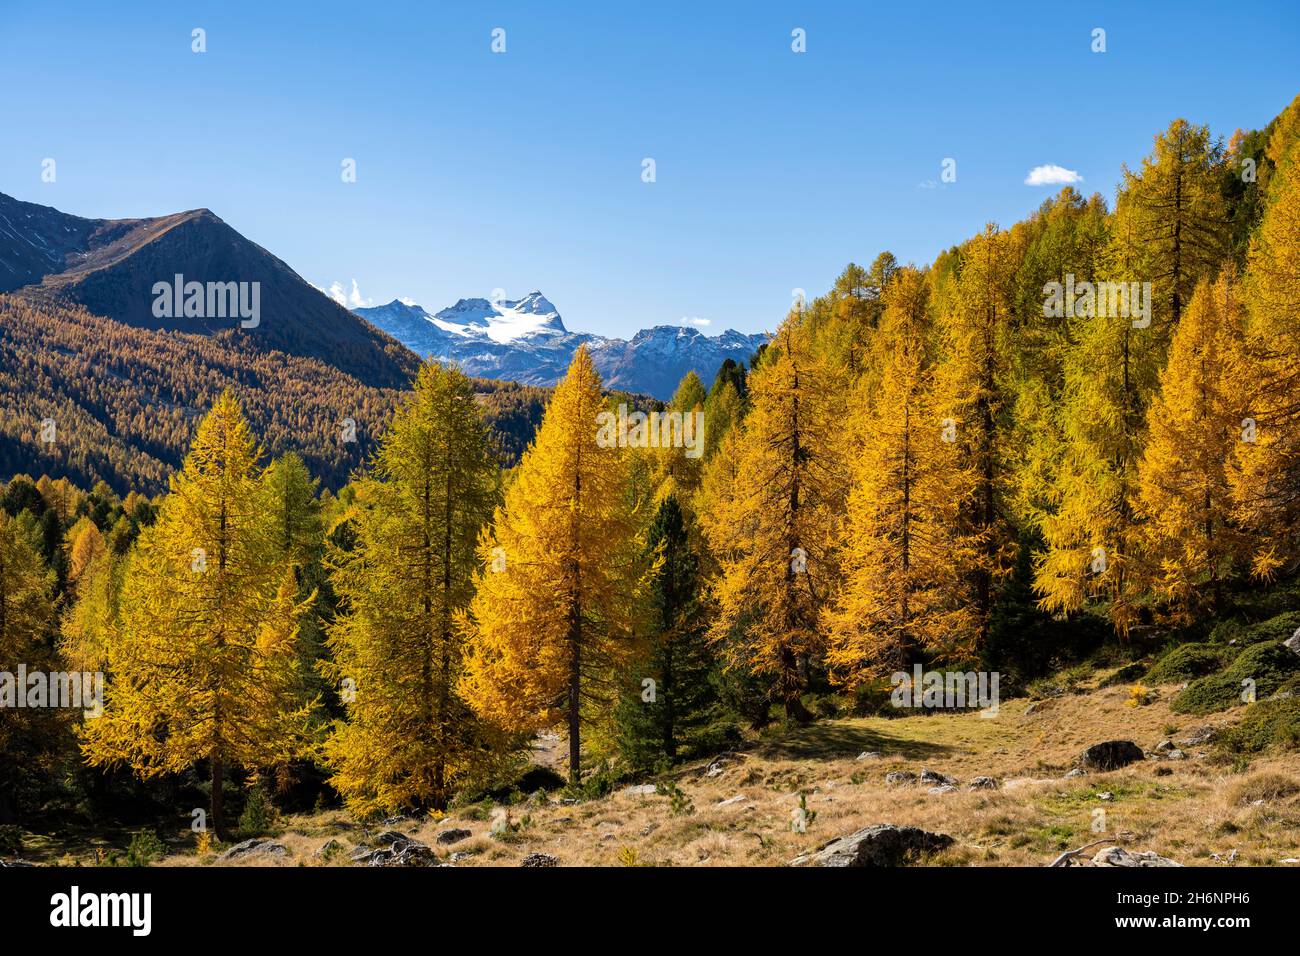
(1269, 665)
(1188, 662)
(1268, 725)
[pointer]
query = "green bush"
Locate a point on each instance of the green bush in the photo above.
(259, 816)
(11, 840)
(1127, 674)
(145, 847)
(1268, 665)
(1277, 628)
(1269, 725)
(1188, 662)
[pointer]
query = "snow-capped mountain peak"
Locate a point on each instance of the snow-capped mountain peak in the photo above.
(503, 321)
(525, 340)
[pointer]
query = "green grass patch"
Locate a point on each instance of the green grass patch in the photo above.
(1268, 725)
(1188, 662)
(1277, 628)
(1269, 665)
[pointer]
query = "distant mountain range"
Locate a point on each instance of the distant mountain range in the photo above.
(526, 341)
(87, 340)
(82, 347)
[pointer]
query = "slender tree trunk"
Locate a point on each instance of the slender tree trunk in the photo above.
(670, 737)
(575, 701)
(218, 798)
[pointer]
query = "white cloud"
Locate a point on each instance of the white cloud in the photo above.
(1051, 175)
(696, 320)
(349, 300)
(406, 300)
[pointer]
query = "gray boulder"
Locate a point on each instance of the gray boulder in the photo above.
(900, 778)
(1117, 856)
(539, 859)
(935, 779)
(1293, 642)
(406, 852)
(453, 835)
(984, 783)
(251, 848)
(881, 845)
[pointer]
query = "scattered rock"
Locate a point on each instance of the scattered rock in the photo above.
(1076, 772)
(253, 847)
(408, 853)
(1202, 735)
(717, 768)
(640, 790)
(881, 845)
(328, 849)
(941, 789)
(390, 837)
(454, 835)
(1117, 856)
(1175, 754)
(869, 755)
(900, 778)
(1105, 795)
(16, 862)
(936, 779)
(1111, 755)
(1032, 708)
(1293, 642)
(458, 856)
(738, 798)
(1164, 746)
(539, 859)
(984, 783)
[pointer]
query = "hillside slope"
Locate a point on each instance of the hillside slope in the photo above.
(111, 267)
(125, 400)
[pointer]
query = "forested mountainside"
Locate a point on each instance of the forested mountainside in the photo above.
(125, 401)
(111, 267)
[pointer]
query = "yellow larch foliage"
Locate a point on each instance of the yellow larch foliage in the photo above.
(561, 584)
(774, 527)
(204, 666)
(902, 595)
(1194, 423)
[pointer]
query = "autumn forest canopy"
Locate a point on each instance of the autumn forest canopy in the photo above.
(1080, 428)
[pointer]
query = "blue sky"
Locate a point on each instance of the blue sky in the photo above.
(523, 170)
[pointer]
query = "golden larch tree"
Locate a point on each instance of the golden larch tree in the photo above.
(561, 585)
(902, 596)
(204, 667)
(774, 527)
(1194, 423)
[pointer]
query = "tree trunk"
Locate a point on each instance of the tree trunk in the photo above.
(790, 688)
(218, 803)
(575, 726)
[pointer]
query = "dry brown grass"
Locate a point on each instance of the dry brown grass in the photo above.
(1186, 810)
